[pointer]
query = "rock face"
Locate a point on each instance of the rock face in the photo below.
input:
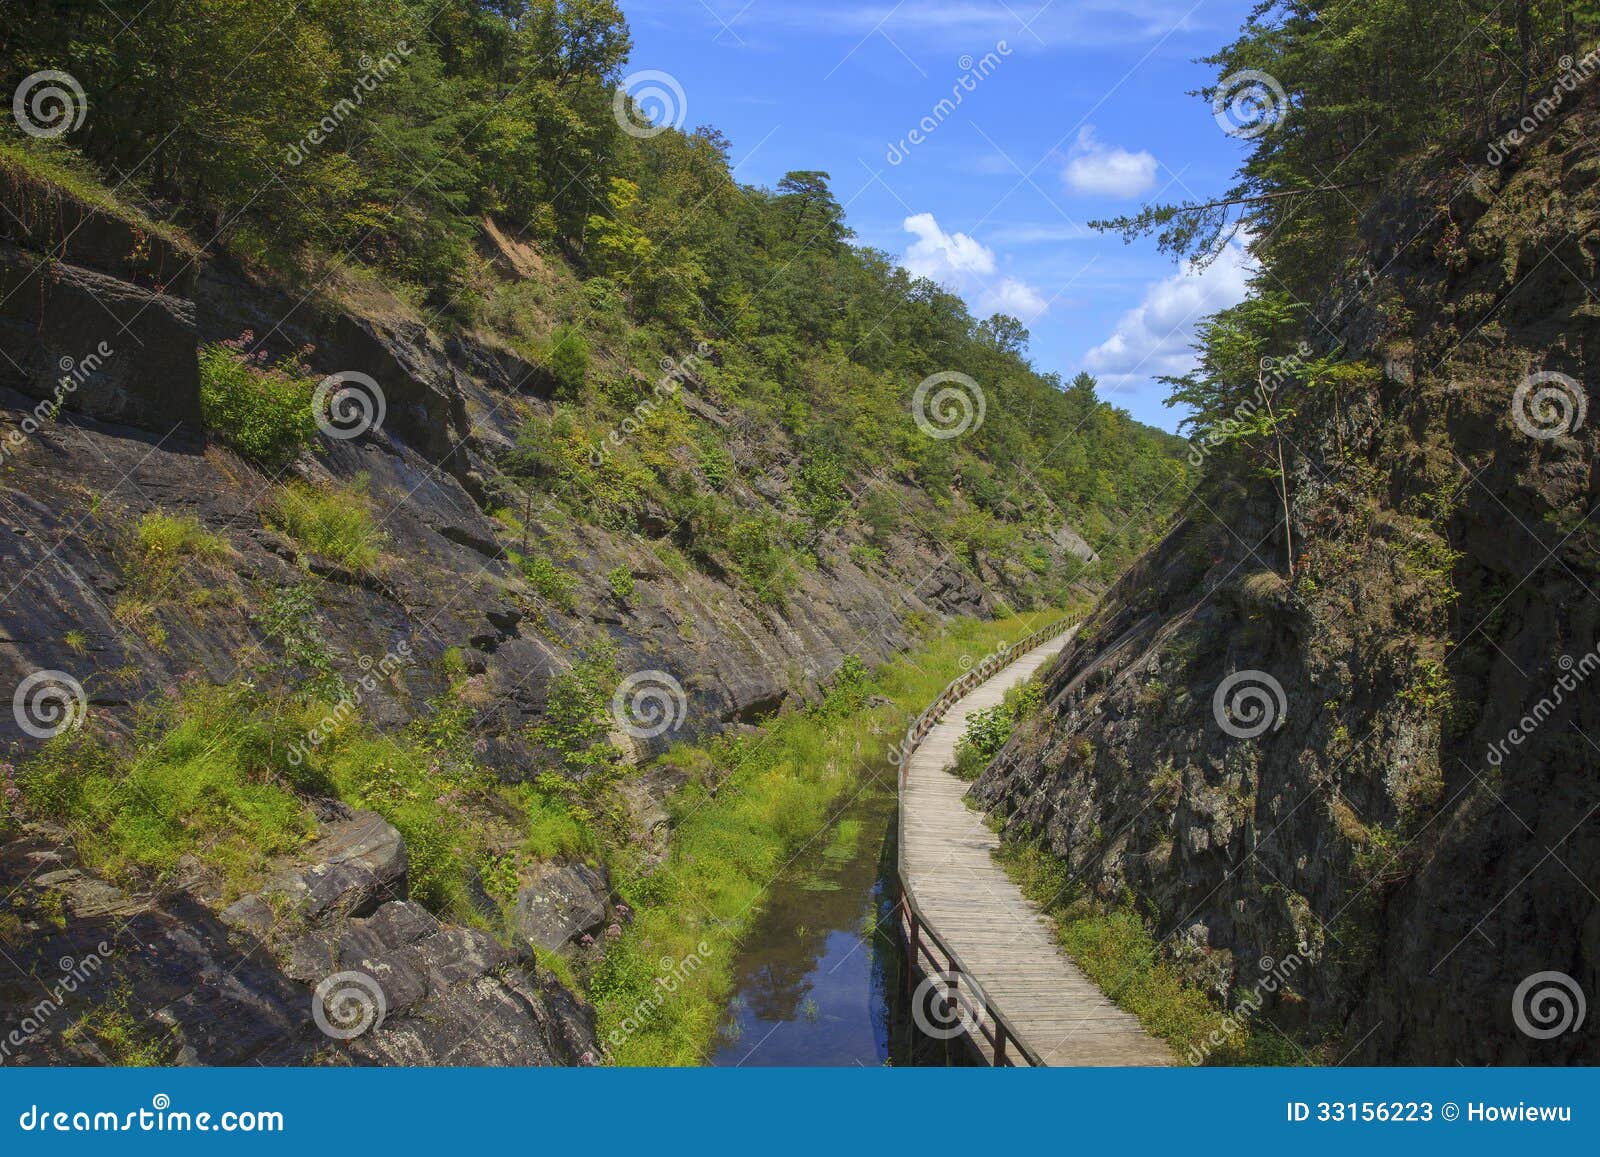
(1369, 811)
(127, 444)
(563, 903)
(357, 862)
(319, 968)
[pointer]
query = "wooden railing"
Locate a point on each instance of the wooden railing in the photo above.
(922, 939)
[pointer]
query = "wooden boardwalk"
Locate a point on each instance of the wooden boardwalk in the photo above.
(970, 909)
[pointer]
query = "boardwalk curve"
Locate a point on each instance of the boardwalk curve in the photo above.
(968, 928)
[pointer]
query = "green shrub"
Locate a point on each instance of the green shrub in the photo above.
(864, 554)
(568, 359)
(988, 731)
(620, 579)
(290, 620)
(821, 489)
(548, 579)
(335, 523)
(577, 718)
(759, 558)
(716, 464)
(604, 299)
(881, 511)
(265, 414)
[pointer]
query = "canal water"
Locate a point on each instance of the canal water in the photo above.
(820, 979)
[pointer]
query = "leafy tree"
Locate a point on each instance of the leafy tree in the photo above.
(1005, 333)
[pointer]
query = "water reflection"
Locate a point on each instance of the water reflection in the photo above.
(819, 977)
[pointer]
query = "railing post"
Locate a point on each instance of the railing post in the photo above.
(999, 1044)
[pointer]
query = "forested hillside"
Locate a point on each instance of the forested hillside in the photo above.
(408, 443)
(378, 136)
(1338, 717)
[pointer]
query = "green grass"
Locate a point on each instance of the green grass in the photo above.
(209, 783)
(335, 523)
(162, 535)
(127, 1040)
(557, 828)
(223, 775)
(1116, 950)
(161, 540)
(620, 580)
(776, 793)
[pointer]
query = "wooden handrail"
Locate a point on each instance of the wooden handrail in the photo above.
(1003, 1037)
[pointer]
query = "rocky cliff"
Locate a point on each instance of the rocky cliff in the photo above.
(1381, 762)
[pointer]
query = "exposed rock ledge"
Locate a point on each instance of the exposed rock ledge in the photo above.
(101, 974)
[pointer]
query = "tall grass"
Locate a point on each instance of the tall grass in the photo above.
(752, 804)
(335, 523)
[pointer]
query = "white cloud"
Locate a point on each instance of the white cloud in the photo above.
(1154, 338)
(1017, 298)
(965, 266)
(947, 258)
(1096, 168)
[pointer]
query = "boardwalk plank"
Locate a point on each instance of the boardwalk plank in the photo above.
(1004, 939)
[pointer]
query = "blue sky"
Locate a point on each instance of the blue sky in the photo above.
(1071, 111)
